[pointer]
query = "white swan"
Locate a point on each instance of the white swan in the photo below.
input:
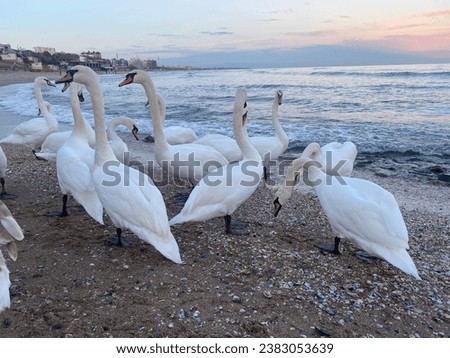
(118, 146)
(337, 158)
(54, 141)
(10, 231)
(33, 132)
(190, 161)
(225, 145)
(357, 209)
(270, 148)
(128, 195)
(74, 163)
(174, 134)
(222, 191)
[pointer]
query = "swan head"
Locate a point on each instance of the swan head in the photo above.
(43, 81)
(279, 97)
(283, 194)
(76, 87)
(79, 73)
(135, 76)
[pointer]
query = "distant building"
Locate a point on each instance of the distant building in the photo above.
(5, 48)
(9, 56)
(151, 64)
(40, 49)
(119, 64)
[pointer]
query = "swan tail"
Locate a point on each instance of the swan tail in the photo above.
(9, 223)
(11, 249)
(91, 203)
(403, 261)
(5, 300)
(167, 246)
(177, 219)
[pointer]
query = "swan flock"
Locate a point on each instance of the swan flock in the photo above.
(359, 211)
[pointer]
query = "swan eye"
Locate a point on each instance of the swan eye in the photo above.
(245, 104)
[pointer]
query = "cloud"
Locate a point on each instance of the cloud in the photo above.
(444, 12)
(319, 33)
(217, 33)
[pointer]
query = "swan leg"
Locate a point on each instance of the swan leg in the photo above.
(333, 249)
(238, 228)
(61, 213)
(4, 195)
(38, 158)
(363, 255)
(118, 240)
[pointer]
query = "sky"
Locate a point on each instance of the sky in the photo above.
(235, 32)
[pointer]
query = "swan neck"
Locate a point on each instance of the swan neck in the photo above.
(155, 113)
(240, 132)
(281, 134)
(39, 98)
(78, 118)
(103, 151)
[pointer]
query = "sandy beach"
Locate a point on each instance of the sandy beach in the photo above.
(273, 282)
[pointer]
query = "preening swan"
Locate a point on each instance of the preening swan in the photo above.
(270, 148)
(3, 167)
(337, 158)
(33, 132)
(357, 209)
(190, 161)
(128, 196)
(54, 141)
(10, 231)
(118, 146)
(74, 163)
(173, 134)
(223, 190)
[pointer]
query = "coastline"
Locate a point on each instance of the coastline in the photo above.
(67, 282)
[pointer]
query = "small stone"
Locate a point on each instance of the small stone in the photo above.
(236, 299)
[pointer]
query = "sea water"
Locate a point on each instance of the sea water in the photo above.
(401, 110)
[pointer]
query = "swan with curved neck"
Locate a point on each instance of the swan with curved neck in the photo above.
(33, 132)
(128, 196)
(270, 148)
(10, 232)
(118, 146)
(54, 141)
(222, 191)
(190, 161)
(74, 164)
(174, 134)
(357, 210)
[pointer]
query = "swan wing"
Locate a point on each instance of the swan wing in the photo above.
(220, 193)
(134, 203)
(355, 215)
(9, 224)
(74, 170)
(131, 200)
